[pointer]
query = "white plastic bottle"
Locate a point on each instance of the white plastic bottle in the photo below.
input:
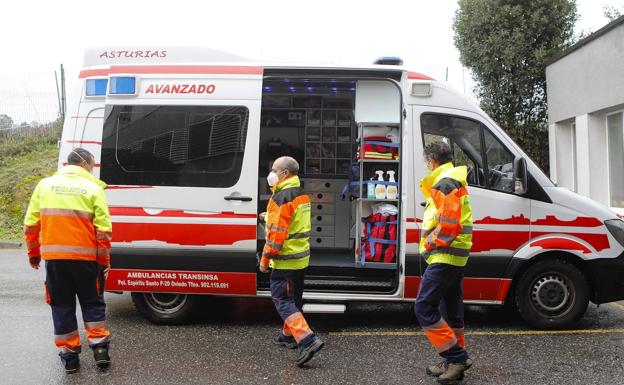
(370, 189)
(392, 190)
(380, 188)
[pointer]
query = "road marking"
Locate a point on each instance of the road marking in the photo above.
(619, 306)
(480, 333)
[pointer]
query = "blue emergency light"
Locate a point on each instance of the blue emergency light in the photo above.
(96, 87)
(122, 85)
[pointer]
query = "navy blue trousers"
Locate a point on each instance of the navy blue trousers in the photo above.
(287, 294)
(66, 280)
(439, 308)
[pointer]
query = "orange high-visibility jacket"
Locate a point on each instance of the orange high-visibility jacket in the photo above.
(288, 227)
(68, 218)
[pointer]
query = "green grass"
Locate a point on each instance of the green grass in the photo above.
(25, 158)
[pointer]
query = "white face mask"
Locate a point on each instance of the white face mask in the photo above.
(272, 179)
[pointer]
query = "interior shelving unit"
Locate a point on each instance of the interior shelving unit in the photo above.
(364, 203)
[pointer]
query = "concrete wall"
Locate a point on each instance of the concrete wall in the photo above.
(589, 79)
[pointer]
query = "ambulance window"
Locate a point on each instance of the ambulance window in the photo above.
(500, 163)
(195, 146)
(464, 137)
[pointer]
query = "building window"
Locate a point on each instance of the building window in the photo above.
(194, 146)
(615, 138)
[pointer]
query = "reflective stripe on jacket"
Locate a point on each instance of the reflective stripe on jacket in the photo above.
(288, 227)
(68, 218)
(447, 221)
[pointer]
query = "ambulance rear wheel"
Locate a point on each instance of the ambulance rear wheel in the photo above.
(165, 308)
(552, 294)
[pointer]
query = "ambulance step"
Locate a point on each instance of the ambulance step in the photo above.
(326, 308)
(346, 283)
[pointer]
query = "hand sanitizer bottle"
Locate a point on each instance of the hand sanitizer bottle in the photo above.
(370, 189)
(392, 190)
(380, 188)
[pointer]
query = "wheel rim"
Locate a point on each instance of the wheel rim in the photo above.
(552, 294)
(165, 303)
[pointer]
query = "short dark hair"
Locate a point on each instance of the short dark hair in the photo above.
(438, 151)
(79, 155)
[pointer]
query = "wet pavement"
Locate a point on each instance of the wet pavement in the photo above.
(230, 343)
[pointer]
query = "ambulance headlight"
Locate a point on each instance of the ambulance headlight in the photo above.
(616, 228)
(122, 85)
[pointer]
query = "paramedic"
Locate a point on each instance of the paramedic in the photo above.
(287, 252)
(445, 244)
(69, 226)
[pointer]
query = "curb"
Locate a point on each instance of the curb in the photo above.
(10, 245)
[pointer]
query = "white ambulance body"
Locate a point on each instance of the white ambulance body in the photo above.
(185, 138)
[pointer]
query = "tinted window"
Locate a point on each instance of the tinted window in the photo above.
(500, 163)
(200, 146)
(489, 166)
(464, 137)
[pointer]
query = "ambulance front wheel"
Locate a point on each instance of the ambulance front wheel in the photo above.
(165, 308)
(552, 294)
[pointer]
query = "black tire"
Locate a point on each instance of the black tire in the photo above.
(552, 294)
(166, 308)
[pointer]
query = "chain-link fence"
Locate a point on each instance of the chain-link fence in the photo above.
(27, 100)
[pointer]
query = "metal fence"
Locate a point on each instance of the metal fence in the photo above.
(28, 100)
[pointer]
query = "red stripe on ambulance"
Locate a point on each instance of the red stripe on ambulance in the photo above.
(475, 289)
(187, 234)
(174, 69)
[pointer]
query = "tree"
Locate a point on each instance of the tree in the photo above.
(611, 12)
(507, 44)
(5, 121)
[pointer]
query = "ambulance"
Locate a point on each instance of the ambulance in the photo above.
(185, 137)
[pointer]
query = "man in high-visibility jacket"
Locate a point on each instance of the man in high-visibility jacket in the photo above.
(287, 252)
(69, 226)
(445, 243)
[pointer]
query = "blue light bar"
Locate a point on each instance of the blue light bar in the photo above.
(96, 87)
(122, 85)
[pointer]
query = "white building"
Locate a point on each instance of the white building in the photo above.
(585, 86)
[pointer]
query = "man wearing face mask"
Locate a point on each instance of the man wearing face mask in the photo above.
(287, 252)
(445, 244)
(69, 226)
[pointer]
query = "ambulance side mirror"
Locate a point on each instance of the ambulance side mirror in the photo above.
(521, 184)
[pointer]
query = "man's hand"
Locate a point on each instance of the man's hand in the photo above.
(264, 269)
(34, 262)
(262, 216)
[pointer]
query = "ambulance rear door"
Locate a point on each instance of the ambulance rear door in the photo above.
(179, 151)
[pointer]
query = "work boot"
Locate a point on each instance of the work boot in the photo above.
(102, 359)
(71, 362)
(454, 372)
(308, 351)
(287, 341)
(438, 369)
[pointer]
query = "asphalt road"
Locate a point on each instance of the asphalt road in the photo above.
(230, 343)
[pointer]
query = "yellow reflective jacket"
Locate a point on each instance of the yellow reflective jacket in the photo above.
(68, 218)
(447, 221)
(288, 227)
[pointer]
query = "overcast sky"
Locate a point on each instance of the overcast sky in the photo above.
(37, 35)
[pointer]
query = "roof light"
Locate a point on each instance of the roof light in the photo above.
(96, 87)
(122, 85)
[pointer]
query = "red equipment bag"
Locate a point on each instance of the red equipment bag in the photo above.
(379, 243)
(379, 147)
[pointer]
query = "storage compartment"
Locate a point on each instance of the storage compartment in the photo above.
(313, 120)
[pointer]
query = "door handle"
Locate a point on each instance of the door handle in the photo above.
(423, 204)
(238, 198)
